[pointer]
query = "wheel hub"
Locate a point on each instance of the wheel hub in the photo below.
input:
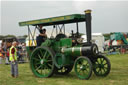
(101, 65)
(82, 67)
(42, 61)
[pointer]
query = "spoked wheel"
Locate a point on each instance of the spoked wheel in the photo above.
(64, 70)
(41, 62)
(83, 67)
(102, 66)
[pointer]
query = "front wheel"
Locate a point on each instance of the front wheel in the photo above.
(102, 66)
(83, 67)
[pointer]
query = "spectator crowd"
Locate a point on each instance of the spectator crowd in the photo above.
(4, 53)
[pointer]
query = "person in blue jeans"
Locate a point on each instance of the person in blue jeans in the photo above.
(13, 60)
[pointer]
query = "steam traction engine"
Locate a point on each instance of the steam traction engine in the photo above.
(58, 55)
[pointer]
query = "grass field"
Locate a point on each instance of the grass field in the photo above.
(117, 76)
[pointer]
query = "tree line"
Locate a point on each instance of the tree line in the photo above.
(6, 36)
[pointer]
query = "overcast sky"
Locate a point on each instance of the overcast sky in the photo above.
(107, 16)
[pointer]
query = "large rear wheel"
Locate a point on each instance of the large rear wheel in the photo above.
(41, 62)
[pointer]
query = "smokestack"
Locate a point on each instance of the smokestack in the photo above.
(88, 25)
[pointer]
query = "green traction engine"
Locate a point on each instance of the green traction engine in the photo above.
(61, 54)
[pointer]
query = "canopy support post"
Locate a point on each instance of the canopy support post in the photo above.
(60, 28)
(77, 27)
(64, 28)
(30, 33)
(56, 30)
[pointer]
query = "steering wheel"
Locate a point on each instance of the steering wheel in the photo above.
(59, 36)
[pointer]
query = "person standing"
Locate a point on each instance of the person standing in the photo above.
(13, 60)
(7, 57)
(0, 55)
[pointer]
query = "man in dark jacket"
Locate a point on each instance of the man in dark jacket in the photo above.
(41, 37)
